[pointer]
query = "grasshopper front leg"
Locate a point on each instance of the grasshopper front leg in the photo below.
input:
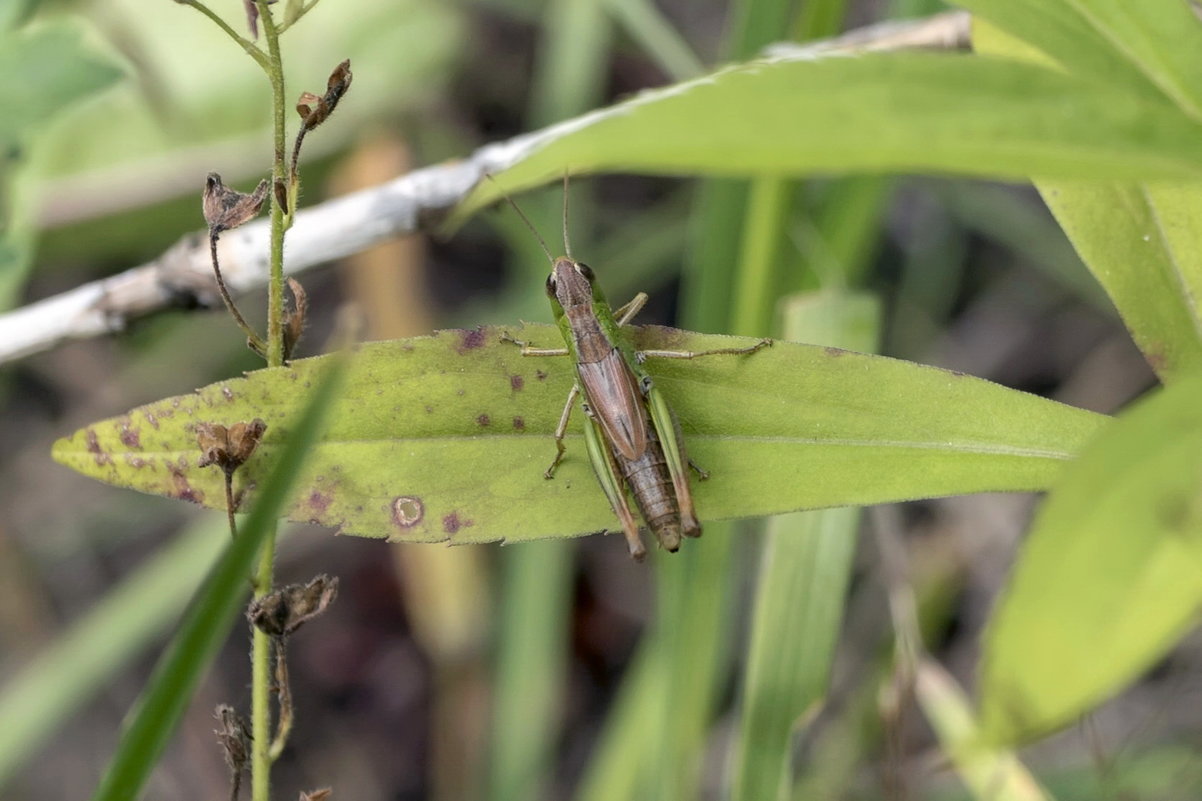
(562, 427)
(690, 354)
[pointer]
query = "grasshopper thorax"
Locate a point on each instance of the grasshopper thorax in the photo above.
(570, 283)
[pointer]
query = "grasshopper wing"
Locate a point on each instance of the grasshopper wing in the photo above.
(612, 390)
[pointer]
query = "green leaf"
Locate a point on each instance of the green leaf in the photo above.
(1142, 246)
(445, 438)
(1110, 576)
(42, 71)
(905, 112)
(1061, 32)
(210, 617)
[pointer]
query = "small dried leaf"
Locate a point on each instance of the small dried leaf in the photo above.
(282, 612)
(281, 195)
(226, 208)
(295, 318)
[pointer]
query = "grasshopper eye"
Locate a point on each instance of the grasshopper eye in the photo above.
(585, 270)
(551, 284)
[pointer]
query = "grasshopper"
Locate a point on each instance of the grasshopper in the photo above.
(633, 439)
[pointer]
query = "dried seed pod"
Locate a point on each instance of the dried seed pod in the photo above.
(282, 612)
(295, 318)
(226, 208)
(314, 110)
(228, 448)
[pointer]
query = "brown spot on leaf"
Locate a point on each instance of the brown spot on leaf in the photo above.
(228, 393)
(319, 502)
(519, 424)
(102, 457)
(451, 523)
(835, 351)
(130, 437)
(407, 511)
(429, 409)
(154, 421)
(516, 382)
(136, 462)
(185, 491)
(470, 340)
(483, 420)
(540, 375)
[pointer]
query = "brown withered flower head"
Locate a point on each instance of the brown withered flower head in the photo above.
(226, 208)
(228, 448)
(280, 613)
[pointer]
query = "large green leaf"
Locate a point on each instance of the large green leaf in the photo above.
(907, 112)
(43, 70)
(1110, 576)
(446, 437)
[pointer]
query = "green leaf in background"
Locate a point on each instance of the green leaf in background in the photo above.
(1066, 33)
(1139, 244)
(1110, 576)
(43, 70)
(445, 438)
(903, 112)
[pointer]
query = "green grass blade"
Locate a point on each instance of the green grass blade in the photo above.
(620, 762)
(1109, 577)
(647, 25)
(991, 773)
(210, 617)
(35, 702)
(529, 678)
(804, 570)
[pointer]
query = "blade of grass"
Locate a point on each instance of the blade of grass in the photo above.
(35, 702)
(211, 616)
(804, 570)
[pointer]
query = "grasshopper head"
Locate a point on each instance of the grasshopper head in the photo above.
(570, 283)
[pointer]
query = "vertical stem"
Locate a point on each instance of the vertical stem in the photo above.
(275, 291)
(261, 644)
(260, 709)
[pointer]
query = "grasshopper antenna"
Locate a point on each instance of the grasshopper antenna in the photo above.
(567, 246)
(525, 219)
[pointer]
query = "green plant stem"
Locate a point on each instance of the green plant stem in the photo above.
(275, 292)
(261, 644)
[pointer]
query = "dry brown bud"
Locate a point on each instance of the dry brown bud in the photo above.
(282, 612)
(234, 739)
(228, 448)
(314, 110)
(226, 208)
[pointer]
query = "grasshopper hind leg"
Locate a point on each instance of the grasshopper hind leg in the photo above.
(607, 475)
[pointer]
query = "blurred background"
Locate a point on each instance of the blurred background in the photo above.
(490, 672)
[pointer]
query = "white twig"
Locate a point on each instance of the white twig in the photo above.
(182, 276)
